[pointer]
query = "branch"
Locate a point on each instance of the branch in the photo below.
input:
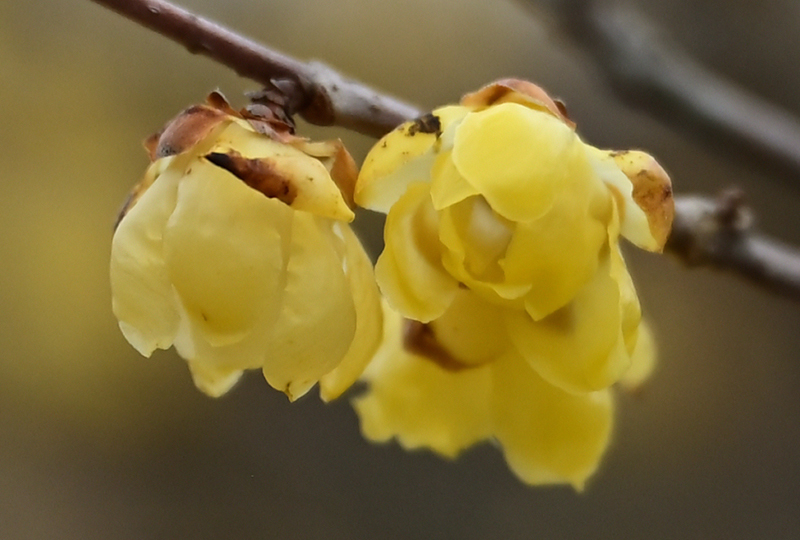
(718, 233)
(654, 74)
(705, 232)
(320, 95)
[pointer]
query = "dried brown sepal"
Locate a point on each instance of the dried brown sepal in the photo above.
(337, 160)
(652, 190)
(419, 339)
(260, 174)
(517, 91)
(187, 129)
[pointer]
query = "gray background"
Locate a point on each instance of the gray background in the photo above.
(96, 442)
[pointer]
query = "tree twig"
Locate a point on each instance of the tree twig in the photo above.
(718, 232)
(321, 95)
(654, 74)
(706, 232)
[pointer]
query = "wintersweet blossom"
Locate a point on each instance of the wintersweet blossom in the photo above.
(497, 200)
(236, 249)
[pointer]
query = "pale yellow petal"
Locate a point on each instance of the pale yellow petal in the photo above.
(142, 296)
(580, 347)
(421, 404)
(403, 156)
(548, 436)
(369, 319)
(318, 317)
(447, 185)
(409, 271)
(518, 158)
(643, 359)
(225, 253)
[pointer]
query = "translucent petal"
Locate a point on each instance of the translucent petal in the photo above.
(409, 271)
(643, 359)
(420, 403)
(447, 185)
(369, 319)
(548, 436)
(579, 348)
(403, 156)
(224, 250)
(518, 158)
(318, 317)
(142, 297)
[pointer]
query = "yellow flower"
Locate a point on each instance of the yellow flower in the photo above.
(236, 249)
(499, 196)
(457, 381)
(502, 254)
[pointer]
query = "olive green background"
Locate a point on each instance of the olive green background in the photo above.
(99, 443)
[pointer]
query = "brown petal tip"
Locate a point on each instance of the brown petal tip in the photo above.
(187, 129)
(517, 91)
(260, 174)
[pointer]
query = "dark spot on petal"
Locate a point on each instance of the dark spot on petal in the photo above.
(259, 174)
(427, 123)
(419, 339)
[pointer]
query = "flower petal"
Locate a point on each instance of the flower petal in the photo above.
(318, 317)
(403, 156)
(142, 296)
(420, 403)
(643, 359)
(369, 319)
(579, 348)
(409, 271)
(548, 436)
(224, 251)
(518, 158)
(447, 185)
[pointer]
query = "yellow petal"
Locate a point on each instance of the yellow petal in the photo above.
(403, 156)
(142, 296)
(420, 403)
(643, 359)
(409, 271)
(447, 185)
(557, 254)
(579, 348)
(548, 436)
(369, 319)
(518, 158)
(257, 159)
(224, 250)
(317, 317)
(647, 206)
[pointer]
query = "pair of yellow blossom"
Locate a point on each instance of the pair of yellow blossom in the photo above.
(508, 313)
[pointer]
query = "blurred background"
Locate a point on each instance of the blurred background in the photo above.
(97, 442)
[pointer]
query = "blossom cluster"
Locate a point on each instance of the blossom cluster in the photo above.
(508, 313)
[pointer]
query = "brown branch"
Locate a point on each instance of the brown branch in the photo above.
(705, 233)
(653, 73)
(320, 94)
(719, 233)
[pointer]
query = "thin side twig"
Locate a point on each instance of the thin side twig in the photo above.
(651, 72)
(705, 233)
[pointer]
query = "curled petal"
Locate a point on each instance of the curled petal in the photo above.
(647, 192)
(369, 319)
(420, 403)
(518, 158)
(409, 271)
(142, 296)
(447, 185)
(403, 156)
(548, 435)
